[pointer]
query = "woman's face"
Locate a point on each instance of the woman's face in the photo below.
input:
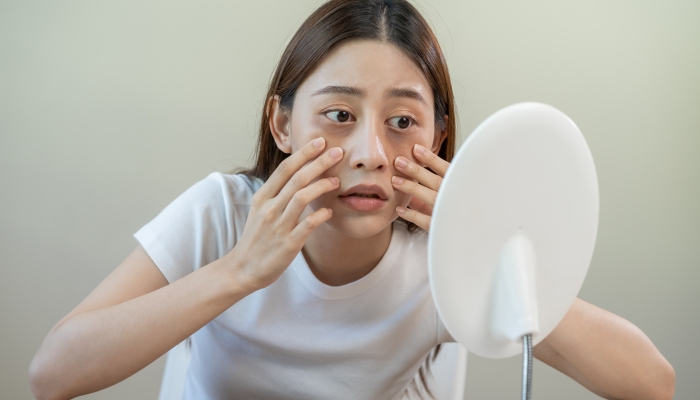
(371, 100)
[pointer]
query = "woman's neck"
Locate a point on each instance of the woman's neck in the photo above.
(336, 259)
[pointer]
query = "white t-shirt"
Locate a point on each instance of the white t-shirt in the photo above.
(297, 338)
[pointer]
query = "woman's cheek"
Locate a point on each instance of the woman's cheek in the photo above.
(406, 151)
(402, 199)
(332, 140)
(335, 170)
(303, 131)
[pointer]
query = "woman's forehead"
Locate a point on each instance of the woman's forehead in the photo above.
(368, 68)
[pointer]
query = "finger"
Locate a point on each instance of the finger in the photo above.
(312, 221)
(415, 189)
(306, 195)
(415, 171)
(431, 160)
(419, 206)
(308, 174)
(289, 166)
(414, 216)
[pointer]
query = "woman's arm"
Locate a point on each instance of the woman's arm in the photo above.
(607, 354)
(128, 321)
(133, 317)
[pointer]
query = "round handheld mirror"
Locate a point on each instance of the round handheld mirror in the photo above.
(513, 230)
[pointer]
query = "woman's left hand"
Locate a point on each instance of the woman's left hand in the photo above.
(424, 189)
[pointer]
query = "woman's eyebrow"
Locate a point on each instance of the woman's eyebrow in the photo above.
(354, 91)
(406, 92)
(340, 90)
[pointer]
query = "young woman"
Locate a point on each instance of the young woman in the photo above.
(305, 277)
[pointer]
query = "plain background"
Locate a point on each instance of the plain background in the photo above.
(109, 110)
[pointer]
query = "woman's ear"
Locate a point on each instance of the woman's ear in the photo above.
(279, 120)
(440, 136)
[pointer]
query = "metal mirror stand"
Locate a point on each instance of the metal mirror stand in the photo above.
(527, 367)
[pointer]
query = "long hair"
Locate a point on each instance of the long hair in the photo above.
(391, 21)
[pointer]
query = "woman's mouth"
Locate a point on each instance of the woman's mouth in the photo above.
(363, 202)
(364, 197)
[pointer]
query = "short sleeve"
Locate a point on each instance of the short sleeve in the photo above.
(200, 226)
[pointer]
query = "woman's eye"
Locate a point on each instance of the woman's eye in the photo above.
(338, 116)
(401, 122)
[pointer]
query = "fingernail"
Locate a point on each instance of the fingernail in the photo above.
(397, 180)
(318, 143)
(420, 149)
(336, 152)
(400, 210)
(334, 180)
(401, 162)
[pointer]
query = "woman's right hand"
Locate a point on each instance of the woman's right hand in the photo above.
(110, 335)
(273, 234)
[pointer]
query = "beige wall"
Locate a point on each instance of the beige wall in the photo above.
(109, 110)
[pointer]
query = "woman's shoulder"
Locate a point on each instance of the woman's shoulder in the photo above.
(411, 232)
(217, 198)
(411, 245)
(237, 189)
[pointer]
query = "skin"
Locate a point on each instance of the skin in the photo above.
(109, 336)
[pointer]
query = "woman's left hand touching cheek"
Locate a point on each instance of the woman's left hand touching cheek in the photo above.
(424, 189)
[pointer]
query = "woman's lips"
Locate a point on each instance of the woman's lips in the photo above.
(362, 203)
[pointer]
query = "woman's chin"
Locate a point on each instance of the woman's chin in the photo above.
(361, 226)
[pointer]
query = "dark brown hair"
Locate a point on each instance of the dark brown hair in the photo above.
(391, 21)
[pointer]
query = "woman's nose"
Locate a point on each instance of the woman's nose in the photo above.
(367, 147)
